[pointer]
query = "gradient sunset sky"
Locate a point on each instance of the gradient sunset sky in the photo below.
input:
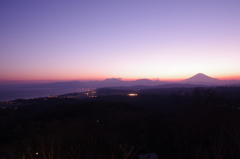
(128, 39)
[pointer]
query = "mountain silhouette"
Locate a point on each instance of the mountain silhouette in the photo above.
(201, 78)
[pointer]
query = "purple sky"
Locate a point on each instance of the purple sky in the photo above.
(131, 39)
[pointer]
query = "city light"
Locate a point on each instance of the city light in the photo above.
(132, 94)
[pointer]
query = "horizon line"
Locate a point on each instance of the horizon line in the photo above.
(27, 81)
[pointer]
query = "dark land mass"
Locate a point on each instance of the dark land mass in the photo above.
(180, 122)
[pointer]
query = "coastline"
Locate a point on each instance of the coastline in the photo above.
(13, 94)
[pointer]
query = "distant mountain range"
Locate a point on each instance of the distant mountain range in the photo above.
(202, 79)
(198, 80)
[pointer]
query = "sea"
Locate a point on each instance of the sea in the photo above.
(27, 93)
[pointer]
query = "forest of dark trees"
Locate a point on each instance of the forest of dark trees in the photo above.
(201, 124)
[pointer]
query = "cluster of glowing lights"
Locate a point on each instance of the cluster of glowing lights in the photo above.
(132, 94)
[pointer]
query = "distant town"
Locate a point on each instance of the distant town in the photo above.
(88, 93)
(115, 91)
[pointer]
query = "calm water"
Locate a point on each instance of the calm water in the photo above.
(12, 94)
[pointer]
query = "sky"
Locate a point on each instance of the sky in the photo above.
(83, 40)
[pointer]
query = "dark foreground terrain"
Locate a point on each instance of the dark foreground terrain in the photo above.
(203, 123)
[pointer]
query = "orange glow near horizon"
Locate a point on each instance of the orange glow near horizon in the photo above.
(101, 78)
(237, 77)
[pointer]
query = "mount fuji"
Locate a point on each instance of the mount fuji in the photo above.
(203, 79)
